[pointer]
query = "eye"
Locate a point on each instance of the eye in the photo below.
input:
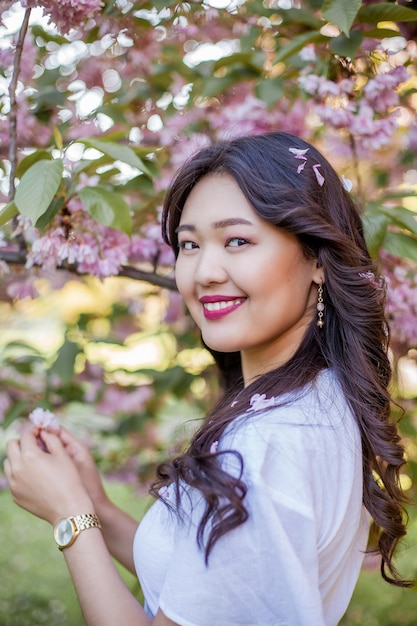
(187, 245)
(236, 242)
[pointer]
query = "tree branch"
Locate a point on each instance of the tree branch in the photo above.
(150, 277)
(127, 271)
(13, 103)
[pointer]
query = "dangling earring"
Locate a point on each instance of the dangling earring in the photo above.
(320, 307)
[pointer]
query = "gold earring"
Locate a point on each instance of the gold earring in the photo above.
(320, 307)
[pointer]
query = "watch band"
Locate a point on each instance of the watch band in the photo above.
(67, 529)
(86, 520)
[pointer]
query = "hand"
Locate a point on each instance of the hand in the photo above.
(84, 462)
(45, 483)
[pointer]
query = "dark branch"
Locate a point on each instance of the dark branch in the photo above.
(127, 271)
(13, 103)
(150, 277)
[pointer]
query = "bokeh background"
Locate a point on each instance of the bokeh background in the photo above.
(100, 102)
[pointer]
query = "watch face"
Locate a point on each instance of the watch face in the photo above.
(63, 532)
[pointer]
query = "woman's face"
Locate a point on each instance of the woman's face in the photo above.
(246, 283)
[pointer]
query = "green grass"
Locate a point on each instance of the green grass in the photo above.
(376, 603)
(35, 587)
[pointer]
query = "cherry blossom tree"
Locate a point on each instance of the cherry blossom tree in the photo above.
(101, 100)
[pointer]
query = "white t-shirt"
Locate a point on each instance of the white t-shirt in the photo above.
(297, 558)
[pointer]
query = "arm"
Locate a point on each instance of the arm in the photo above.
(48, 485)
(118, 527)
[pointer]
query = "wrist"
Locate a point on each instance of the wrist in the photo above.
(75, 506)
(66, 530)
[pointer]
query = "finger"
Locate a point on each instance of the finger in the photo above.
(52, 442)
(28, 440)
(73, 446)
(68, 438)
(13, 449)
(7, 468)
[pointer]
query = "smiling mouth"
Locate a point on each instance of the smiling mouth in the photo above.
(224, 304)
(217, 309)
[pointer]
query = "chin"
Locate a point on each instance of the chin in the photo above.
(218, 346)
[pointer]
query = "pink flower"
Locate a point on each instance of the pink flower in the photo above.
(121, 400)
(66, 14)
(258, 402)
(43, 418)
(214, 447)
(163, 492)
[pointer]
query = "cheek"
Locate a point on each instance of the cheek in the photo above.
(181, 276)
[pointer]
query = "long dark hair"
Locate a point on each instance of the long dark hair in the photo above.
(284, 187)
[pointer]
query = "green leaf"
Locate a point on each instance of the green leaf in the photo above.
(375, 228)
(380, 33)
(15, 411)
(254, 60)
(8, 212)
(38, 187)
(341, 13)
(107, 207)
(30, 159)
(401, 245)
(402, 217)
(215, 85)
(386, 12)
(118, 152)
(63, 367)
(347, 46)
(301, 16)
(298, 43)
(54, 208)
(269, 90)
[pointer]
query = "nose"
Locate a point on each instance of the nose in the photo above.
(210, 268)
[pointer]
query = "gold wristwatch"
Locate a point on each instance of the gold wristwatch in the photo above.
(67, 529)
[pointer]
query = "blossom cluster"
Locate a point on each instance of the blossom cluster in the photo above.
(369, 114)
(82, 242)
(66, 14)
(401, 278)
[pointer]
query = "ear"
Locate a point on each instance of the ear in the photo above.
(318, 273)
(318, 276)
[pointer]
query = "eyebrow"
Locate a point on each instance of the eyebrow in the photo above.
(231, 221)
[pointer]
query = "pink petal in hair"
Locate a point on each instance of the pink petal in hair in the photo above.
(299, 154)
(319, 176)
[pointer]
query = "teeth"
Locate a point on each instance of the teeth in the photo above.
(218, 306)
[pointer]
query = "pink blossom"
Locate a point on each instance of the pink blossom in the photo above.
(163, 492)
(401, 278)
(308, 53)
(322, 87)
(121, 400)
(20, 288)
(336, 117)
(214, 447)
(43, 418)
(380, 91)
(258, 402)
(66, 14)
(176, 308)
(94, 248)
(151, 247)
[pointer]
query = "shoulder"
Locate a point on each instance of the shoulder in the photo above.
(320, 403)
(300, 428)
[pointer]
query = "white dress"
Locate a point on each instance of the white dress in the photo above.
(297, 558)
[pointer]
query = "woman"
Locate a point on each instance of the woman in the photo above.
(265, 517)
